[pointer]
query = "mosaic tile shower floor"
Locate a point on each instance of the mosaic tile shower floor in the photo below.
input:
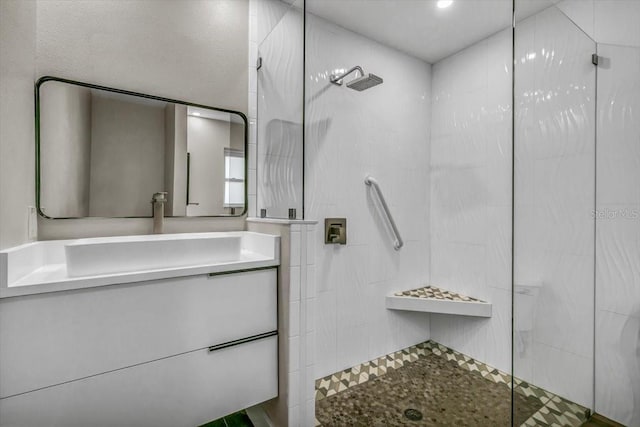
(447, 387)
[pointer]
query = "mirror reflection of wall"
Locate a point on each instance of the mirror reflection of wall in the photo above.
(126, 164)
(104, 153)
(210, 135)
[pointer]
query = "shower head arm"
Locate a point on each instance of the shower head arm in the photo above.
(337, 79)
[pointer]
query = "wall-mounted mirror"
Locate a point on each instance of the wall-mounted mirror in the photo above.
(104, 152)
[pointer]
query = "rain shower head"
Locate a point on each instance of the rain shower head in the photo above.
(365, 81)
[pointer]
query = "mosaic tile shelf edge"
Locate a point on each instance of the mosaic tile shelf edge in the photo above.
(432, 299)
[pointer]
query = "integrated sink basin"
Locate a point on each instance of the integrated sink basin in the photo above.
(57, 265)
(110, 255)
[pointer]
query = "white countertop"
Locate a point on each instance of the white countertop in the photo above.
(41, 267)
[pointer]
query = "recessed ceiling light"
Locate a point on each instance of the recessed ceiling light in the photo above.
(196, 114)
(444, 3)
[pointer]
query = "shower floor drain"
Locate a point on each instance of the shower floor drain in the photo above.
(413, 414)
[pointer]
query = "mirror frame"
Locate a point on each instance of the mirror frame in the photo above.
(38, 188)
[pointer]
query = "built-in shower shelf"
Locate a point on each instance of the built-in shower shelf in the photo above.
(431, 299)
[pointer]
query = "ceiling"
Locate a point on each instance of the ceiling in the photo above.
(419, 27)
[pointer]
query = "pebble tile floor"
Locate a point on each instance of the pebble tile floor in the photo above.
(444, 393)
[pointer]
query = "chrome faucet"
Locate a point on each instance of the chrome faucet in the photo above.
(157, 202)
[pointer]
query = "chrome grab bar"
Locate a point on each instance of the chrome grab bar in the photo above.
(372, 182)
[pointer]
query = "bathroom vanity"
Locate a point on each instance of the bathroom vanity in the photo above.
(88, 338)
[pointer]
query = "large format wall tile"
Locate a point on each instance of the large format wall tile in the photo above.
(470, 174)
(382, 131)
(618, 366)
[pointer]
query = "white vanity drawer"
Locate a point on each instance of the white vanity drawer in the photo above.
(51, 338)
(187, 390)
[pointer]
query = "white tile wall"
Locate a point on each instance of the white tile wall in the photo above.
(562, 373)
(294, 352)
(383, 131)
(295, 405)
(294, 414)
(618, 367)
(302, 318)
(470, 168)
(296, 245)
(294, 318)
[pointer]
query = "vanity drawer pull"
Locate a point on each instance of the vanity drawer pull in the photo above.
(242, 341)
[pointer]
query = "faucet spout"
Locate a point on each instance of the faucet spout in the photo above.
(157, 202)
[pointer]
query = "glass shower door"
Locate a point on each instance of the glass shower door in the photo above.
(577, 209)
(554, 227)
(617, 315)
(280, 110)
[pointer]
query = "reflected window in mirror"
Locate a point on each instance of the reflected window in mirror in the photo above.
(234, 183)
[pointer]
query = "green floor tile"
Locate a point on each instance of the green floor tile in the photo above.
(239, 419)
(216, 423)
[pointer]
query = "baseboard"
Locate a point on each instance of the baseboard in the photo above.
(603, 421)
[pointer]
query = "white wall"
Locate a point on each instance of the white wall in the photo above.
(606, 21)
(236, 135)
(17, 146)
(65, 149)
(206, 141)
(383, 131)
(175, 159)
(470, 173)
(127, 155)
(190, 50)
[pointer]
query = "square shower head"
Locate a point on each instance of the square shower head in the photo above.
(364, 82)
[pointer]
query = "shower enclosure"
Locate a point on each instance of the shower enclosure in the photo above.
(577, 206)
(505, 137)
(279, 38)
